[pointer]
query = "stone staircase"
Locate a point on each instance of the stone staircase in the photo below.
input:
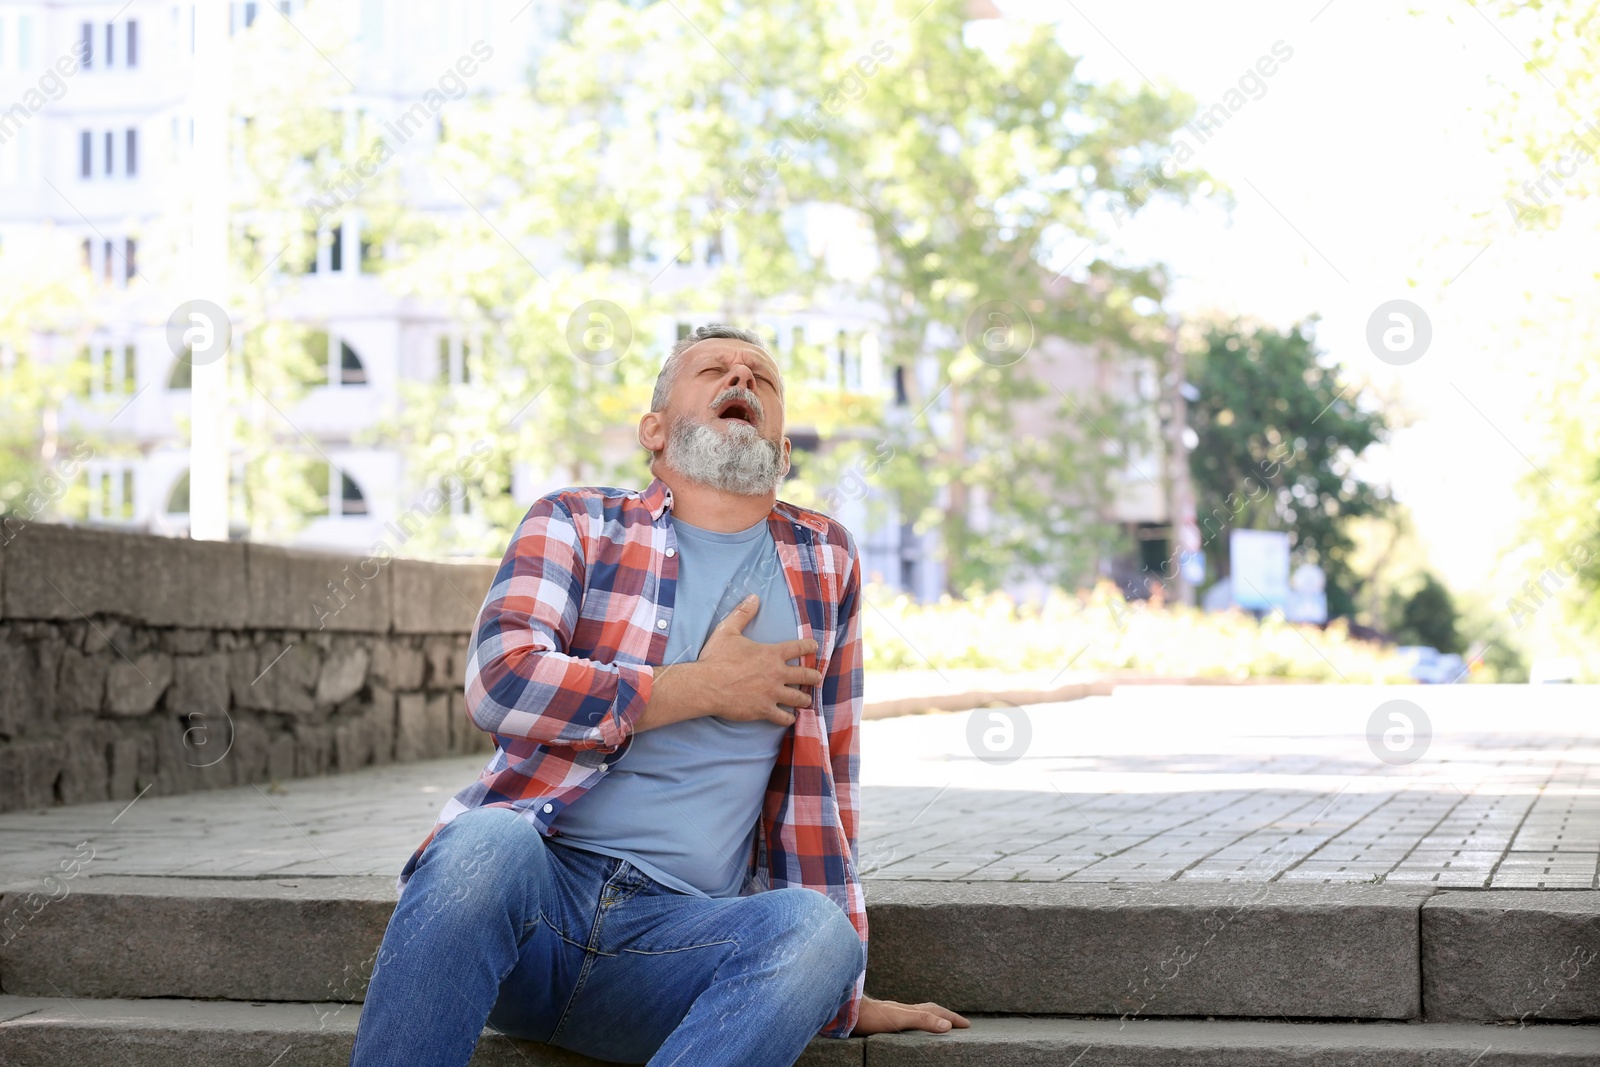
(218, 972)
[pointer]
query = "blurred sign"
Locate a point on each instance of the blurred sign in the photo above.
(1308, 599)
(1192, 565)
(1258, 562)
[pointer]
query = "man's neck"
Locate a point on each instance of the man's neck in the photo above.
(713, 509)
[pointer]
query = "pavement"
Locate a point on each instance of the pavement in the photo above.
(1452, 787)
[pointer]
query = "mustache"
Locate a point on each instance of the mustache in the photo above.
(750, 399)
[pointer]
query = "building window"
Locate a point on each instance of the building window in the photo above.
(351, 372)
(110, 152)
(182, 376)
(130, 153)
(455, 360)
(351, 500)
(85, 152)
(178, 498)
(131, 51)
(24, 42)
(107, 268)
(317, 346)
(111, 492)
(336, 250)
(337, 495)
(88, 256)
(130, 252)
(88, 45)
(109, 369)
(111, 48)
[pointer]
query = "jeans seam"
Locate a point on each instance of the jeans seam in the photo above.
(590, 951)
(685, 948)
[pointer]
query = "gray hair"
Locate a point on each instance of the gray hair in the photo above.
(669, 369)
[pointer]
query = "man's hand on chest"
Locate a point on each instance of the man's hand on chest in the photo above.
(736, 678)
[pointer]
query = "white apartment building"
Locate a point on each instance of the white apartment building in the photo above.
(97, 157)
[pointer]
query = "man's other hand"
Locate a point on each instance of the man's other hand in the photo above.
(890, 1017)
(746, 680)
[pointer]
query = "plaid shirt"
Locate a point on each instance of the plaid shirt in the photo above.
(562, 660)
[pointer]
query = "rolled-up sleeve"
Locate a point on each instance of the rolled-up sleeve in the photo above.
(521, 681)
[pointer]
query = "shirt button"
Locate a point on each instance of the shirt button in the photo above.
(548, 808)
(672, 552)
(661, 624)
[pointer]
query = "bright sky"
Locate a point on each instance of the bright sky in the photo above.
(1361, 175)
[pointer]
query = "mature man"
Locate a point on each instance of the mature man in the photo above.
(659, 863)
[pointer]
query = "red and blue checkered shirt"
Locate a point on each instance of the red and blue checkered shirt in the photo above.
(563, 655)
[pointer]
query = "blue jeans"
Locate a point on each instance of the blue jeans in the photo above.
(575, 949)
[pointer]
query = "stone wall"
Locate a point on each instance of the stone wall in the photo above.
(129, 661)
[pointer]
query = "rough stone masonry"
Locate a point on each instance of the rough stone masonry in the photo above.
(129, 661)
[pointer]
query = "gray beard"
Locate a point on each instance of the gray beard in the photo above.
(740, 461)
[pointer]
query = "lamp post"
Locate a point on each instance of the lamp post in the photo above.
(208, 275)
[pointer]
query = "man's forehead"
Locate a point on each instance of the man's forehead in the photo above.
(721, 348)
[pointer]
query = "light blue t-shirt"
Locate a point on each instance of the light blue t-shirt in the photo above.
(681, 804)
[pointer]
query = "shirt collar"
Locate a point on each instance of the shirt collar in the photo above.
(658, 498)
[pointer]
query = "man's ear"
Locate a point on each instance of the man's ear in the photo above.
(653, 431)
(784, 443)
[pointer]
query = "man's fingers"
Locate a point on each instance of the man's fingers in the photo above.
(797, 649)
(793, 698)
(781, 717)
(740, 616)
(943, 1013)
(801, 676)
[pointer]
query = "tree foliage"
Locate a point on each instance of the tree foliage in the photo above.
(1428, 616)
(1555, 128)
(1279, 440)
(43, 296)
(883, 156)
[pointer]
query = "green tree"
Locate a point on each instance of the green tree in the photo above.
(1552, 126)
(970, 168)
(979, 167)
(1279, 438)
(43, 293)
(1428, 616)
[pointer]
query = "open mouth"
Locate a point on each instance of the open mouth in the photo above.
(736, 410)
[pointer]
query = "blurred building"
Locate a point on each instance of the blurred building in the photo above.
(101, 155)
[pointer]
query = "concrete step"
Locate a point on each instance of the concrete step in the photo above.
(1015, 1042)
(1346, 952)
(52, 1032)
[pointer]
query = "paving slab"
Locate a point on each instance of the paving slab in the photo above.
(1012, 1042)
(1265, 950)
(1152, 784)
(1512, 955)
(54, 1032)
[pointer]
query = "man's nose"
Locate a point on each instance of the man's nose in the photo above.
(741, 377)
